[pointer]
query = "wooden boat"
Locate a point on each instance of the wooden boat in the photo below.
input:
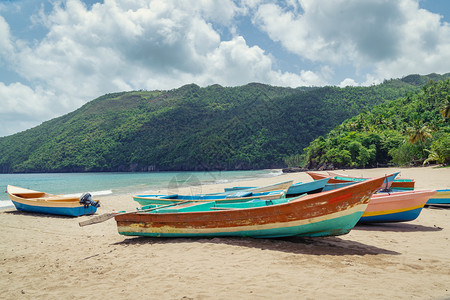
(40, 202)
(322, 214)
(272, 187)
(341, 179)
(296, 189)
(398, 184)
(396, 206)
(333, 186)
(237, 196)
(441, 198)
(403, 184)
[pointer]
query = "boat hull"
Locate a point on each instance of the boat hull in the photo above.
(338, 225)
(144, 200)
(396, 207)
(329, 213)
(39, 202)
(64, 211)
(389, 180)
(294, 190)
(312, 187)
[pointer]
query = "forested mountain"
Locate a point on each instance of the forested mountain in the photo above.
(411, 130)
(193, 128)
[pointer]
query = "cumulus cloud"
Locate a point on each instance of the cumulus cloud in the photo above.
(122, 45)
(348, 82)
(135, 44)
(393, 38)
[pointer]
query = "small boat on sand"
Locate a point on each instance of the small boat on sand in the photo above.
(442, 198)
(396, 206)
(341, 179)
(328, 213)
(237, 196)
(294, 190)
(40, 202)
(398, 184)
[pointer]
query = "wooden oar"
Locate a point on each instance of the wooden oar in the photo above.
(107, 216)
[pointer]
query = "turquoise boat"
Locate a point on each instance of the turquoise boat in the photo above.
(322, 214)
(237, 196)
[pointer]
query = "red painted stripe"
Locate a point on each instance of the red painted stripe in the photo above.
(339, 198)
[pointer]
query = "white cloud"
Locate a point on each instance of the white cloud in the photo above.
(348, 82)
(24, 106)
(163, 44)
(393, 38)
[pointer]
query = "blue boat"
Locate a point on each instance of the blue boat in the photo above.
(294, 190)
(40, 202)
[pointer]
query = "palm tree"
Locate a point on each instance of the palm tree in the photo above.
(445, 108)
(419, 133)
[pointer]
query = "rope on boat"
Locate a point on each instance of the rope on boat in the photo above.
(86, 200)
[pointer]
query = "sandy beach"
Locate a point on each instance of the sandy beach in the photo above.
(51, 257)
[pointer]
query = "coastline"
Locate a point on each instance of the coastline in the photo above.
(49, 257)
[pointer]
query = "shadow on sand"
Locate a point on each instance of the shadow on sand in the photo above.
(294, 245)
(40, 215)
(396, 227)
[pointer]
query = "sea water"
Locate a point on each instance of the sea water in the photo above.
(99, 184)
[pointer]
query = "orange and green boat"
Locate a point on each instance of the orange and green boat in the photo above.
(328, 213)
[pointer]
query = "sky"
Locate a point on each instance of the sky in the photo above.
(56, 55)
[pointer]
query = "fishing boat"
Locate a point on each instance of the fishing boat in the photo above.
(41, 202)
(441, 198)
(294, 190)
(328, 213)
(333, 186)
(341, 179)
(396, 206)
(272, 187)
(237, 196)
(398, 184)
(403, 184)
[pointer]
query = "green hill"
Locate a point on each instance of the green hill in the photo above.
(193, 128)
(411, 130)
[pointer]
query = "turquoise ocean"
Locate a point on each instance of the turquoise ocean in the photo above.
(99, 184)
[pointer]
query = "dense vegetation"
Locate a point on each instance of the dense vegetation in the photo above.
(193, 128)
(411, 130)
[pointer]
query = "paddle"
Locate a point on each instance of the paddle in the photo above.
(107, 216)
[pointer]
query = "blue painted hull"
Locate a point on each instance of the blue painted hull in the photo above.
(312, 187)
(65, 211)
(403, 216)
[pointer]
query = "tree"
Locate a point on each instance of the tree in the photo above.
(419, 133)
(445, 108)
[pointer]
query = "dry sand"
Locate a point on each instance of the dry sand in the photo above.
(45, 257)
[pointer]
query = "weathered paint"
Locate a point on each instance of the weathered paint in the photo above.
(388, 180)
(294, 190)
(328, 213)
(403, 184)
(164, 199)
